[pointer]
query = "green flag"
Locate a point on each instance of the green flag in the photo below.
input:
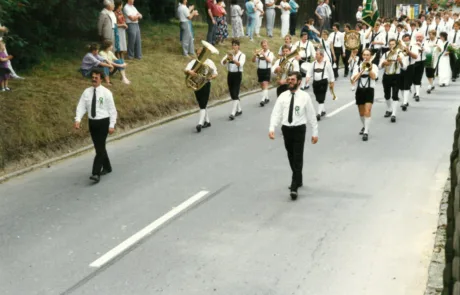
(370, 12)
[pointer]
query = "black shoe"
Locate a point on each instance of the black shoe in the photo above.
(318, 117)
(393, 119)
(404, 106)
(231, 117)
(96, 178)
(239, 113)
(104, 172)
(387, 114)
(300, 185)
(346, 75)
(266, 101)
(206, 124)
(262, 103)
(361, 132)
(323, 114)
(428, 91)
(413, 96)
(307, 87)
(365, 136)
(443, 85)
(198, 128)
(453, 80)
(417, 98)
(293, 195)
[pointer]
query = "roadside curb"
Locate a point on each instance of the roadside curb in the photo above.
(121, 136)
(435, 282)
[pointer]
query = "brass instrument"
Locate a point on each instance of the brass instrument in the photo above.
(404, 50)
(203, 72)
(392, 58)
(260, 53)
(365, 66)
(283, 64)
(230, 55)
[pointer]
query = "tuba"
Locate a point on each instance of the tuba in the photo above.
(286, 64)
(203, 72)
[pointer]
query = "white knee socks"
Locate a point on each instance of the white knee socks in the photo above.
(406, 94)
(207, 117)
(235, 107)
(264, 94)
(367, 122)
(304, 80)
(417, 90)
(362, 120)
(238, 106)
(395, 107)
(321, 108)
(388, 101)
(202, 117)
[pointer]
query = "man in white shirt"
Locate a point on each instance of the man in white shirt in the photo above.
(323, 76)
(202, 95)
(134, 32)
(293, 109)
(102, 114)
(359, 14)
(407, 75)
(291, 65)
(306, 55)
(270, 14)
(375, 43)
(185, 15)
(419, 63)
(336, 39)
(364, 95)
(234, 61)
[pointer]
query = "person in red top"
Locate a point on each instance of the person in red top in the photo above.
(211, 13)
(122, 26)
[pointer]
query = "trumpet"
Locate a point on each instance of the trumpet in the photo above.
(230, 55)
(365, 66)
(404, 50)
(259, 53)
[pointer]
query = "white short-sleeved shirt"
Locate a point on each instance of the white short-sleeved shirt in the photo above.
(232, 67)
(291, 66)
(208, 62)
(262, 63)
(130, 10)
(321, 71)
(183, 13)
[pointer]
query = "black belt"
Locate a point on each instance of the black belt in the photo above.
(296, 126)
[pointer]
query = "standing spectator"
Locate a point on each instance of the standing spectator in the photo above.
(359, 14)
(4, 70)
(251, 14)
(259, 15)
(122, 26)
(222, 29)
(212, 23)
(270, 13)
(107, 22)
(320, 13)
(4, 30)
(134, 32)
(327, 20)
(285, 14)
(237, 22)
(293, 17)
(98, 102)
(185, 15)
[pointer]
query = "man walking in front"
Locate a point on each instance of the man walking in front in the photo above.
(134, 33)
(294, 109)
(102, 116)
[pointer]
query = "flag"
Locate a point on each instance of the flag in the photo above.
(370, 12)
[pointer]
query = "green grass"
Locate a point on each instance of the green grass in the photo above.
(37, 116)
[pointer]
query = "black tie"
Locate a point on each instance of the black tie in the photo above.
(333, 42)
(426, 33)
(93, 105)
(386, 40)
(455, 36)
(291, 109)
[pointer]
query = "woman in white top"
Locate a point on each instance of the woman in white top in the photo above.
(237, 22)
(443, 70)
(285, 15)
(259, 15)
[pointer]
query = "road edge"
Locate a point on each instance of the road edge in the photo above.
(151, 125)
(435, 282)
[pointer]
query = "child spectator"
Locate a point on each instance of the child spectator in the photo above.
(93, 60)
(118, 64)
(4, 70)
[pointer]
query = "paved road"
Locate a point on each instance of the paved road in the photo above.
(362, 225)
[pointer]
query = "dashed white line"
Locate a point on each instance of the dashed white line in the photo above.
(147, 230)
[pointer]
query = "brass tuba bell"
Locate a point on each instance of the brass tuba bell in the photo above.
(203, 72)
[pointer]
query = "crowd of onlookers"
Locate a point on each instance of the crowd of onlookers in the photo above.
(119, 33)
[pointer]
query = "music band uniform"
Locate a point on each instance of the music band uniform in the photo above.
(202, 95)
(264, 73)
(419, 69)
(102, 114)
(234, 78)
(291, 66)
(336, 39)
(322, 75)
(307, 54)
(407, 77)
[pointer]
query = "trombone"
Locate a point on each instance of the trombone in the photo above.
(365, 66)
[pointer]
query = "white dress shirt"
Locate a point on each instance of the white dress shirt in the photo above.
(416, 50)
(386, 37)
(364, 80)
(232, 67)
(395, 67)
(303, 111)
(262, 63)
(105, 105)
(130, 10)
(453, 36)
(359, 16)
(336, 39)
(291, 66)
(307, 49)
(208, 62)
(315, 69)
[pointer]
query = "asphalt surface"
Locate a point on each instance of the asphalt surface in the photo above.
(364, 222)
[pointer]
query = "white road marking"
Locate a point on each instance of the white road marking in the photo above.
(147, 230)
(340, 109)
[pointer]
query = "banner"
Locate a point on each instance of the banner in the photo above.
(412, 11)
(370, 12)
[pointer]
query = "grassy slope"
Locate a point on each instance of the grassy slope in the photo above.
(36, 118)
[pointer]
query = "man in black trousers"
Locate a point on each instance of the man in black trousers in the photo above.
(102, 116)
(293, 109)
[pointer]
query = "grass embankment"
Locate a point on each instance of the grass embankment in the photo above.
(37, 116)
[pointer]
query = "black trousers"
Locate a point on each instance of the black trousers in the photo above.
(320, 89)
(281, 89)
(345, 61)
(202, 95)
(419, 68)
(390, 86)
(405, 80)
(292, 23)
(338, 54)
(234, 84)
(294, 142)
(377, 53)
(99, 130)
(301, 61)
(454, 65)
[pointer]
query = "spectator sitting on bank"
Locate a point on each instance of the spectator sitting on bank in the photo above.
(118, 64)
(311, 30)
(4, 70)
(93, 60)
